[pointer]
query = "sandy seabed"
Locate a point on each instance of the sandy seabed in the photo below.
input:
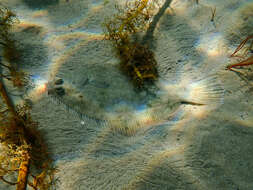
(103, 135)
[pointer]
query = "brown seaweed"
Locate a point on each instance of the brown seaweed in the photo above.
(23, 150)
(137, 61)
(246, 62)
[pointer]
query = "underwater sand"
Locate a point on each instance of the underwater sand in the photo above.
(104, 135)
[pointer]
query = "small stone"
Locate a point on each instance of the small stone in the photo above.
(60, 91)
(58, 81)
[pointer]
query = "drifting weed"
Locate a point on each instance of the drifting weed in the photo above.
(22, 146)
(245, 62)
(136, 60)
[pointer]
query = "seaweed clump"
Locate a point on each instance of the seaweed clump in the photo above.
(137, 61)
(23, 152)
(10, 54)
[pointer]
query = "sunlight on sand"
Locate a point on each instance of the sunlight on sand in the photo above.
(39, 89)
(245, 122)
(40, 13)
(63, 56)
(211, 44)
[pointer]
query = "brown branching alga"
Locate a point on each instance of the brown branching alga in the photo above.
(23, 151)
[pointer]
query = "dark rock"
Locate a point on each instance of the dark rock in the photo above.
(60, 91)
(58, 81)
